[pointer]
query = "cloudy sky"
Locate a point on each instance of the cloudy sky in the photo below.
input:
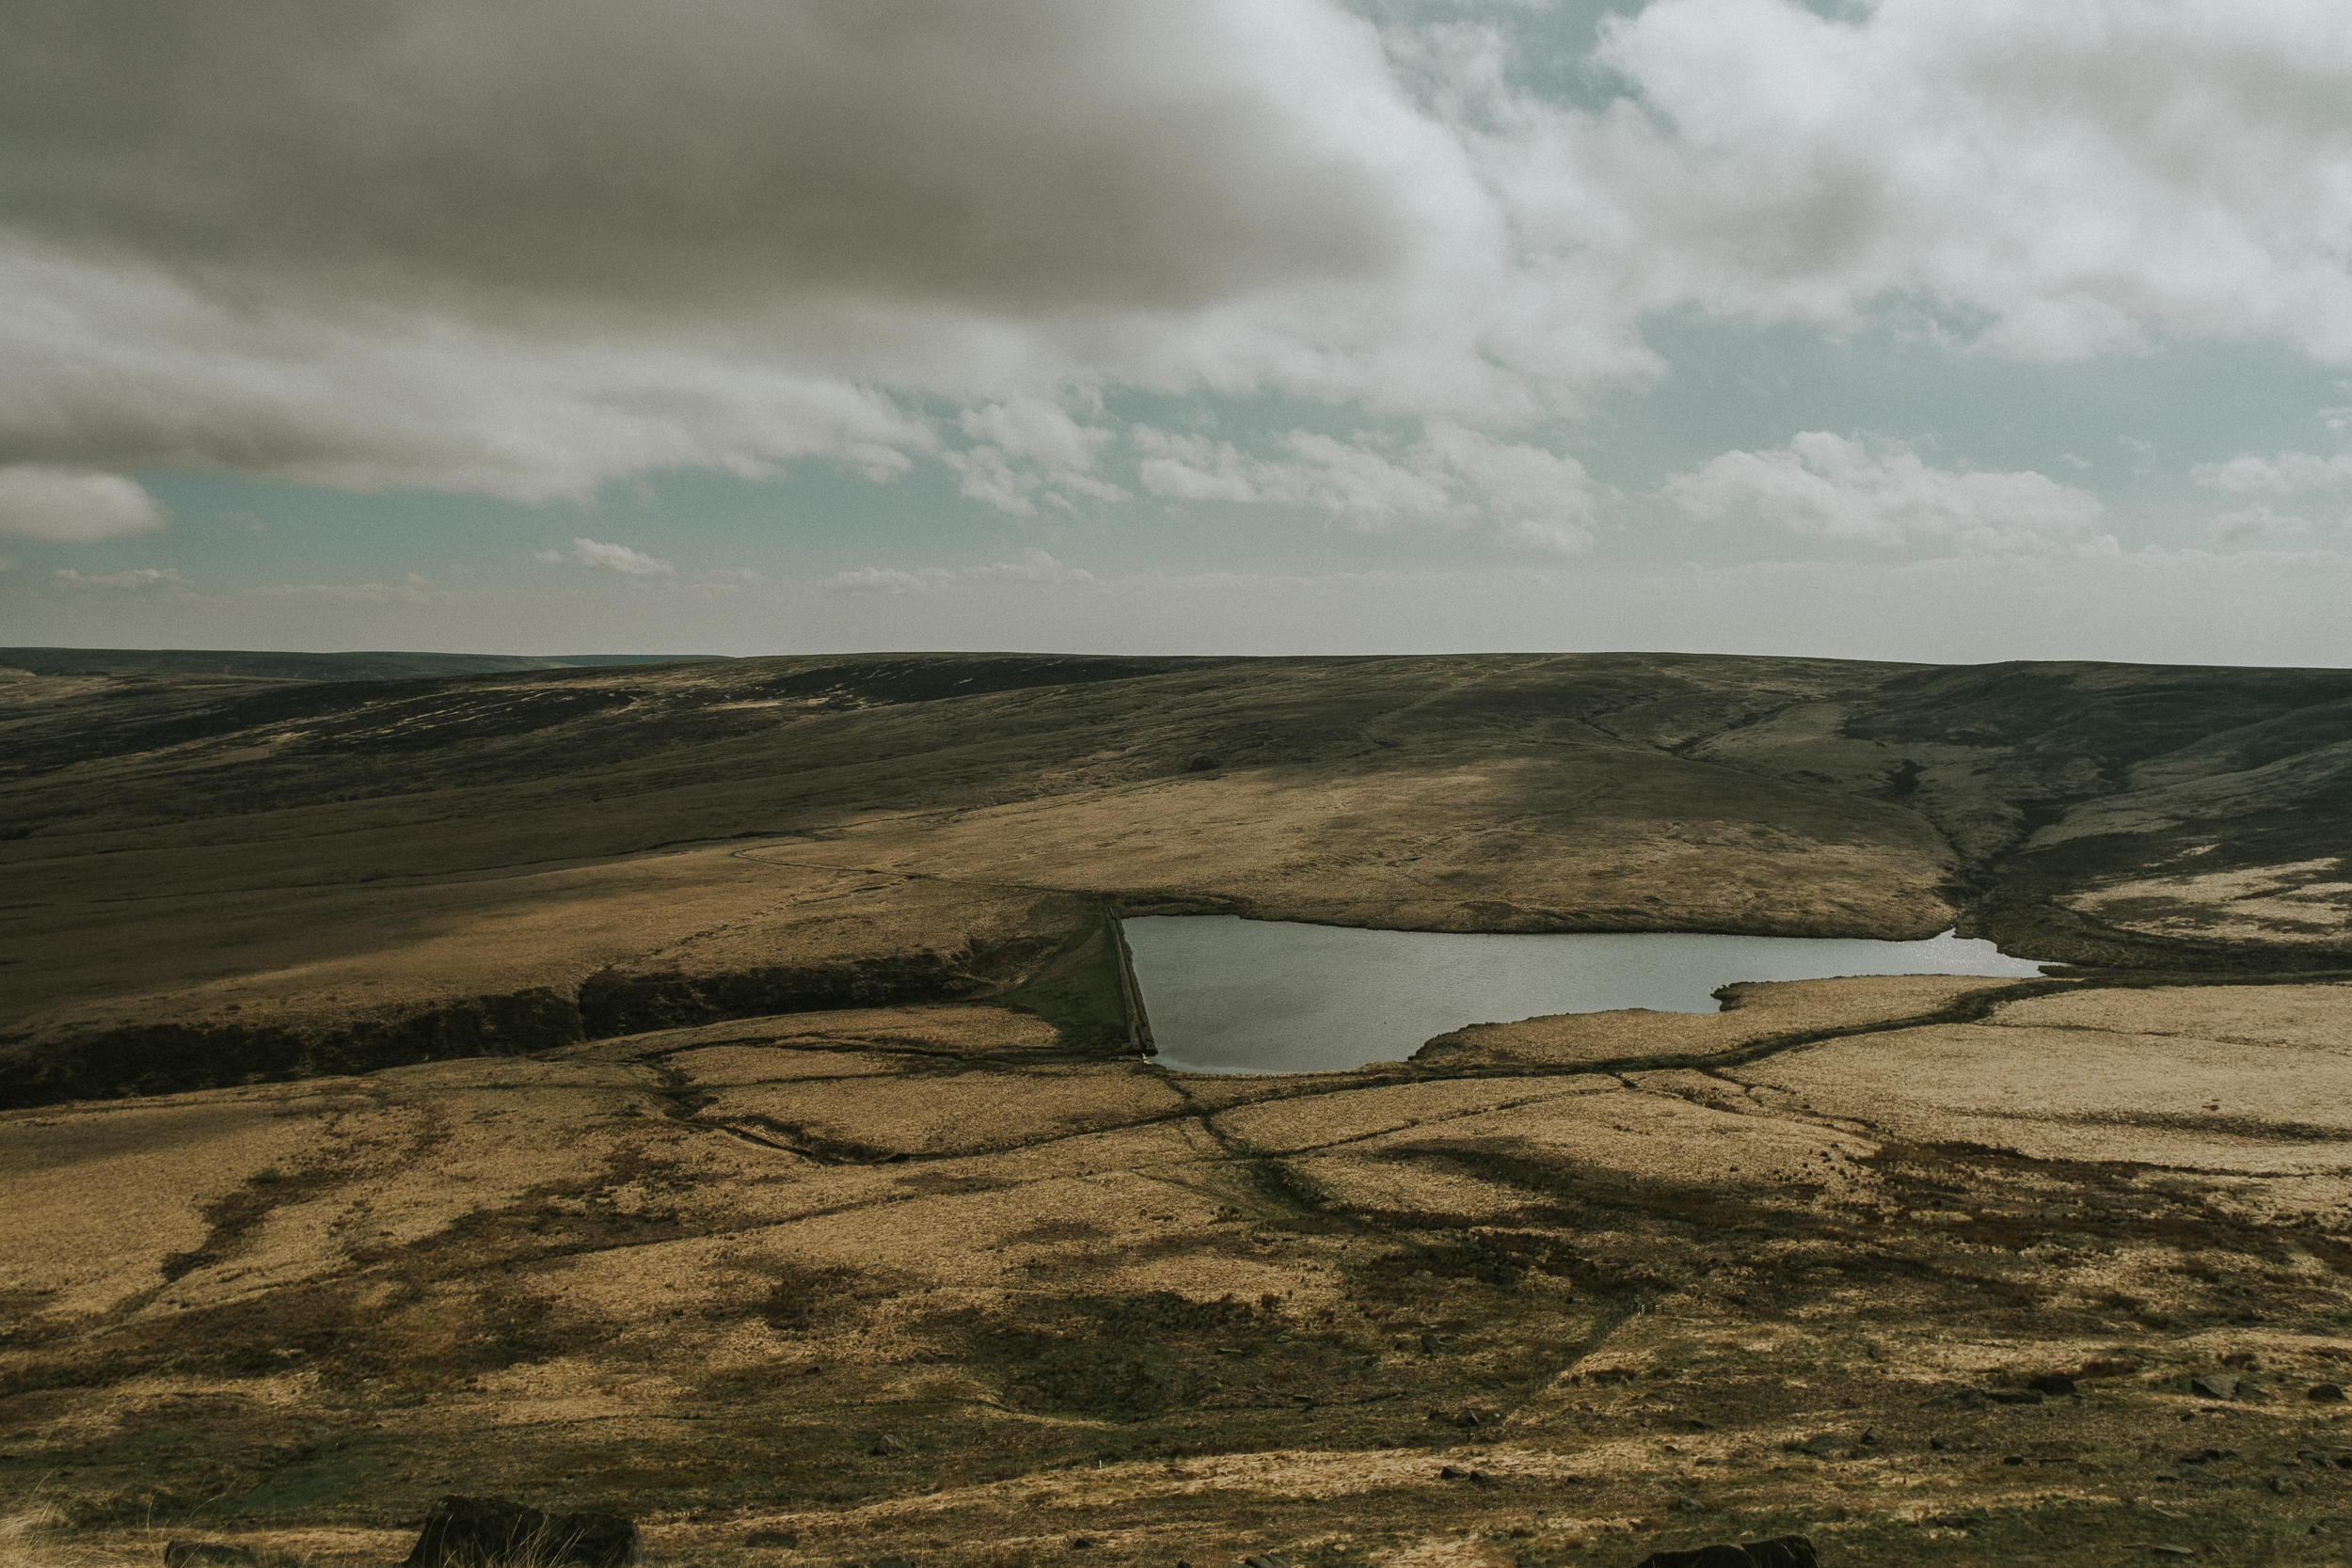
(1906, 331)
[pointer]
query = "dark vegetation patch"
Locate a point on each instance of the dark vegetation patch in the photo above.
(172, 1059)
(231, 1219)
(1087, 991)
(2025, 909)
(2015, 1204)
(928, 678)
(614, 1002)
(805, 1297)
(1490, 1257)
(404, 1341)
(2057, 715)
(409, 1321)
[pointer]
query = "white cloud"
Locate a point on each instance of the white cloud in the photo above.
(1539, 497)
(2258, 525)
(1054, 453)
(67, 504)
(2069, 175)
(144, 577)
(1358, 486)
(989, 476)
(2282, 473)
(879, 579)
(619, 558)
(1035, 429)
(1454, 477)
(1831, 487)
(1192, 467)
(1035, 566)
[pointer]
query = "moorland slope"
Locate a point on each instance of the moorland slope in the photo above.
(708, 1092)
(217, 875)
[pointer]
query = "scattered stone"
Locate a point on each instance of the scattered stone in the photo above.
(772, 1538)
(1265, 1559)
(2017, 1396)
(2214, 1386)
(1476, 1478)
(2174, 1551)
(1783, 1551)
(2194, 1473)
(1952, 1521)
(2285, 1486)
(2332, 1526)
(207, 1554)
(490, 1532)
(1200, 764)
(2327, 1393)
(2052, 1384)
(890, 1443)
(1827, 1446)
(1938, 1444)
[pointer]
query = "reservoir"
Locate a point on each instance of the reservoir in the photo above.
(1230, 995)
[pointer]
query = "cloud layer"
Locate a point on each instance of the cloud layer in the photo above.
(1837, 489)
(67, 504)
(522, 248)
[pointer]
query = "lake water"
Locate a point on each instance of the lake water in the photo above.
(1230, 995)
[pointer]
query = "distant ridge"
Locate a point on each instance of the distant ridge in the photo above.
(306, 667)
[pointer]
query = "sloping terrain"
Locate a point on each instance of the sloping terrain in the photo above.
(212, 877)
(709, 1092)
(925, 1282)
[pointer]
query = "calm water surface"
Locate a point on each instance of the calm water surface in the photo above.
(1232, 996)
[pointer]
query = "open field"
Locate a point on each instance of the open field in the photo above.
(706, 1092)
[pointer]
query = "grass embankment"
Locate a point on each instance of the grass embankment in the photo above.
(1087, 990)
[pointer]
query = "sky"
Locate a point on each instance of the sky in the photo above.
(1900, 330)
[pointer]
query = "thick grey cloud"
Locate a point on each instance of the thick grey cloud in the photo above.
(1020, 155)
(523, 246)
